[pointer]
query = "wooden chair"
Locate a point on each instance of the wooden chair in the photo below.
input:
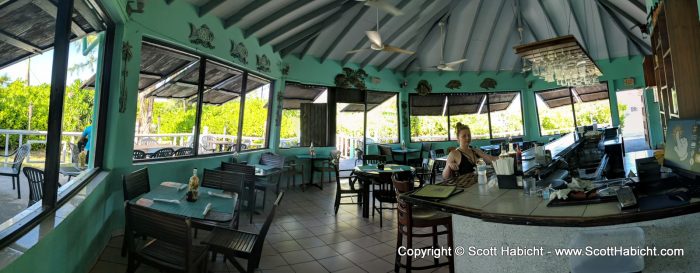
(35, 178)
(386, 152)
(239, 244)
(292, 169)
(424, 152)
(228, 182)
(329, 166)
(169, 245)
(248, 173)
(138, 154)
(274, 161)
(426, 173)
(439, 165)
(165, 152)
(133, 185)
(410, 217)
(185, 151)
(346, 190)
(383, 192)
(15, 167)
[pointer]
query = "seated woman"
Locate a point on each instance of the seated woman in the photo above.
(463, 159)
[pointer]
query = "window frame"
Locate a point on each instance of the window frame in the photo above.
(573, 109)
(52, 200)
(203, 60)
(488, 112)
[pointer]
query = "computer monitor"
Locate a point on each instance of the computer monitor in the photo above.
(682, 150)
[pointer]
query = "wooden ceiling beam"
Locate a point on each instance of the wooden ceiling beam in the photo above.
(605, 32)
(50, 8)
(471, 32)
(247, 9)
(578, 25)
(308, 45)
(494, 23)
(87, 13)
(309, 32)
(364, 39)
(257, 26)
(344, 32)
(18, 43)
(513, 32)
(291, 47)
(548, 19)
(303, 19)
(12, 6)
(209, 6)
(642, 46)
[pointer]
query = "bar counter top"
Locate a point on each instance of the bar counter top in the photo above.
(512, 206)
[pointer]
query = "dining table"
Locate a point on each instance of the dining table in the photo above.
(170, 197)
(222, 145)
(366, 175)
(312, 159)
(404, 152)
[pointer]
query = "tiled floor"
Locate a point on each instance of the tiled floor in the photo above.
(307, 237)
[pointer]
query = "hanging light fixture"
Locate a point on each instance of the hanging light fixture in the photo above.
(559, 60)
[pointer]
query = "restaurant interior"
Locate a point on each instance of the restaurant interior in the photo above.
(349, 135)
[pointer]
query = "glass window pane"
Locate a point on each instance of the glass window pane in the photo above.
(294, 96)
(506, 114)
(382, 117)
(592, 105)
(428, 120)
(554, 111)
(167, 103)
(470, 110)
(255, 114)
(221, 105)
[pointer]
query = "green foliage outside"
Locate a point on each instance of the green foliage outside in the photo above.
(16, 97)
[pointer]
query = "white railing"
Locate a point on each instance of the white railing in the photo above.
(185, 139)
(72, 136)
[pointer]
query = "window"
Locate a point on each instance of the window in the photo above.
(255, 117)
(167, 103)
(428, 118)
(168, 121)
(40, 136)
(592, 105)
(488, 115)
(561, 110)
(506, 113)
(471, 110)
(382, 117)
(293, 97)
(221, 98)
(554, 111)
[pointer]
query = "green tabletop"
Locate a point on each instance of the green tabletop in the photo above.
(307, 156)
(388, 168)
(219, 205)
(404, 151)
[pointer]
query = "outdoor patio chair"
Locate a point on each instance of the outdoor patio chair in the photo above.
(205, 145)
(165, 152)
(138, 154)
(240, 244)
(146, 141)
(169, 245)
(15, 166)
(73, 168)
(184, 151)
(232, 148)
(35, 178)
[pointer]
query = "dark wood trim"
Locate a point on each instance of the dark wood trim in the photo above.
(58, 90)
(268, 123)
(244, 87)
(104, 96)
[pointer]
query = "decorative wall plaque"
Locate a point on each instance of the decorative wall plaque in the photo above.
(263, 63)
(126, 57)
(239, 52)
(488, 83)
(201, 36)
(350, 78)
(454, 84)
(424, 88)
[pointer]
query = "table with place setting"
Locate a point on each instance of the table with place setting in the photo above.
(171, 197)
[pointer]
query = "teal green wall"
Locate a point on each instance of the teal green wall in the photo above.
(84, 233)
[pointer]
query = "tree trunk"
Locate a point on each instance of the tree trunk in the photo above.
(145, 117)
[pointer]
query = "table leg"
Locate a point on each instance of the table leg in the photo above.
(365, 196)
(311, 177)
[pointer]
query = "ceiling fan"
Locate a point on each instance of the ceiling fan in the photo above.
(375, 42)
(383, 5)
(445, 66)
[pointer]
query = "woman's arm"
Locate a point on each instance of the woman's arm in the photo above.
(487, 157)
(452, 165)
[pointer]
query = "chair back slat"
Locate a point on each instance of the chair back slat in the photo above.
(385, 151)
(257, 249)
(165, 152)
(22, 153)
(223, 180)
(425, 148)
(35, 177)
(138, 154)
(270, 159)
(247, 170)
(404, 209)
(169, 228)
(136, 183)
(184, 151)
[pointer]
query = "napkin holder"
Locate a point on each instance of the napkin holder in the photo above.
(509, 181)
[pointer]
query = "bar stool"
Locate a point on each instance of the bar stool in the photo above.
(599, 239)
(410, 217)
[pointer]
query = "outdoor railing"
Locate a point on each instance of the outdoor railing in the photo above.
(23, 139)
